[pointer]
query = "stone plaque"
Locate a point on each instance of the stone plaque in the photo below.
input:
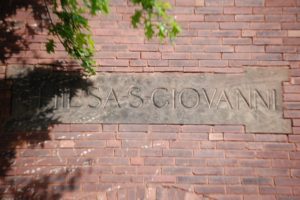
(253, 99)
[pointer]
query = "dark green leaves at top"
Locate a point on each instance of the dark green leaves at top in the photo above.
(155, 18)
(73, 30)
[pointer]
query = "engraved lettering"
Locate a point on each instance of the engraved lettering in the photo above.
(240, 96)
(274, 102)
(209, 102)
(134, 91)
(76, 100)
(184, 103)
(97, 100)
(259, 96)
(224, 98)
(155, 99)
(113, 94)
(174, 98)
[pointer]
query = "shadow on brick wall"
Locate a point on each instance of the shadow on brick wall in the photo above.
(16, 25)
(32, 92)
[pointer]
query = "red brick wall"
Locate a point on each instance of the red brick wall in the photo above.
(102, 161)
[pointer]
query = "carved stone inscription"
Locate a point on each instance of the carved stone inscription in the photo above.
(253, 99)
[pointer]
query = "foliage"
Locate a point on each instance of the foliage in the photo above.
(74, 32)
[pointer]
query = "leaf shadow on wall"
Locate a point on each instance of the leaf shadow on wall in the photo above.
(28, 127)
(20, 20)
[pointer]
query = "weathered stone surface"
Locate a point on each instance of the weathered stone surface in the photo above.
(253, 99)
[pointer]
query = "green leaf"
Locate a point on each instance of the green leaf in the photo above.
(136, 18)
(50, 46)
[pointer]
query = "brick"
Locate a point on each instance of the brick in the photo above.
(237, 10)
(165, 128)
(126, 152)
(280, 18)
(160, 179)
(274, 190)
(162, 136)
(291, 97)
(293, 33)
(216, 136)
(231, 41)
(234, 25)
(294, 138)
(36, 153)
(231, 145)
(292, 114)
(85, 127)
(60, 128)
(190, 162)
(209, 153)
(266, 25)
(281, 3)
(114, 63)
(209, 171)
(279, 147)
(249, 18)
(291, 41)
(271, 33)
(271, 41)
(175, 56)
(150, 55)
(113, 161)
(209, 10)
(132, 135)
(291, 57)
(254, 163)
(189, 18)
(176, 171)
(191, 179)
(249, 2)
(184, 145)
(158, 161)
(270, 138)
(295, 172)
(272, 155)
(283, 163)
(67, 144)
(90, 143)
(281, 49)
(210, 189)
(242, 190)
(271, 172)
(219, 2)
(224, 180)
(212, 56)
(257, 181)
(177, 153)
(150, 152)
(136, 161)
(238, 137)
(115, 178)
(280, 181)
(148, 170)
(219, 33)
(240, 154)
(295, 155)
(219, 18)
(262, 197)
(249, 48)
(236, 56)
(222, 162)
(193, 136)
(136, 143)
(239, 171)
